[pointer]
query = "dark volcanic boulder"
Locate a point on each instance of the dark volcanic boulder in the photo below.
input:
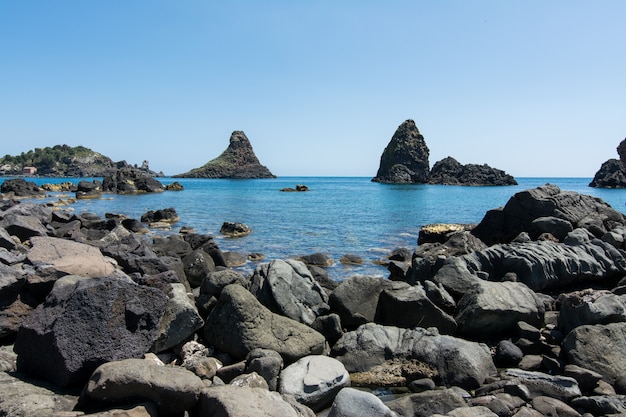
(405, 159)
(130, 180)
(449, 171)
(503, 224)
(612, 173)
(237, 161)
(539, 265)
(86, 322)
(19, 187)
(239, 323)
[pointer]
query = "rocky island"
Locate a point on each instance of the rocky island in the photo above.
(511, 317)
(612, 173)
(65, 161)
(237, 161)
(405, 161)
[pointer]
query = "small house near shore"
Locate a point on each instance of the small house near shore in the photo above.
(29, 171)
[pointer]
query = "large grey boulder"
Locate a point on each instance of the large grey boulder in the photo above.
(173, 389)
(86, 322)
(239, 323)
(23, 226)
(560, 387)
(405, 159)
(179, 321)
(428, 403)
(590, 307)
(601, 348)
(458, 362)
(351, 402)
(491, 309)
(503, 224)
(69, 257)
(540, 265)
(19, 398)
(198, 265)
(288, 288)
(408, 306)
(314, 380)
(233, 401)
(355, 300)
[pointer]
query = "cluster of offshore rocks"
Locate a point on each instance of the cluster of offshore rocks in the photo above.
(405, 161)
(522, 315)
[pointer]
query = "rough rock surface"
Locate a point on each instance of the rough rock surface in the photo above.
(85, 322)
(235, 401)
(287, 287)
(19, 187)
(237, 161)
(504, 224)
(458, 362)
(612, 173)
(314, 380)
(405, 159)
(539, 265)
(68, 257)
(351, 402)
(130, 180)
(449, 171)
(586, 346)
(22, 398)
(173, 389)
(239, 323)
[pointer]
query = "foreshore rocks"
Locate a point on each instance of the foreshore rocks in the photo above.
(521, 315)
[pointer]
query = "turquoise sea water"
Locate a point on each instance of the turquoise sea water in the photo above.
(338, 216)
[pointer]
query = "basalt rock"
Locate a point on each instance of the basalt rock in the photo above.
(84, 323)
(612, 173)
(405, 159)
(449, 171)
(19, 187)
(237, 161)
(130, 180)
(504, 224)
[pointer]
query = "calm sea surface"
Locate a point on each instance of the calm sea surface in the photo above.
(338, 216)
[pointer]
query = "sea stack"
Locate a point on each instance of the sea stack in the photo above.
(405, 159)
(612, 173)
(237, 161)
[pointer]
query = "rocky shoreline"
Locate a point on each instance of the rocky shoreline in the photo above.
(521, 315)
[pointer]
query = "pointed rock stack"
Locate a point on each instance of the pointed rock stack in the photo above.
(237, 161)
(612, 173)
(405, 159)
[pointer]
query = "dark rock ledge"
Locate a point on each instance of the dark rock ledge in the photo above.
(511, 317)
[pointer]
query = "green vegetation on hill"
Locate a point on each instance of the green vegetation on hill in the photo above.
(59, 160)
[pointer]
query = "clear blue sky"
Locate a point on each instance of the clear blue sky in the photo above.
(533, 87)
